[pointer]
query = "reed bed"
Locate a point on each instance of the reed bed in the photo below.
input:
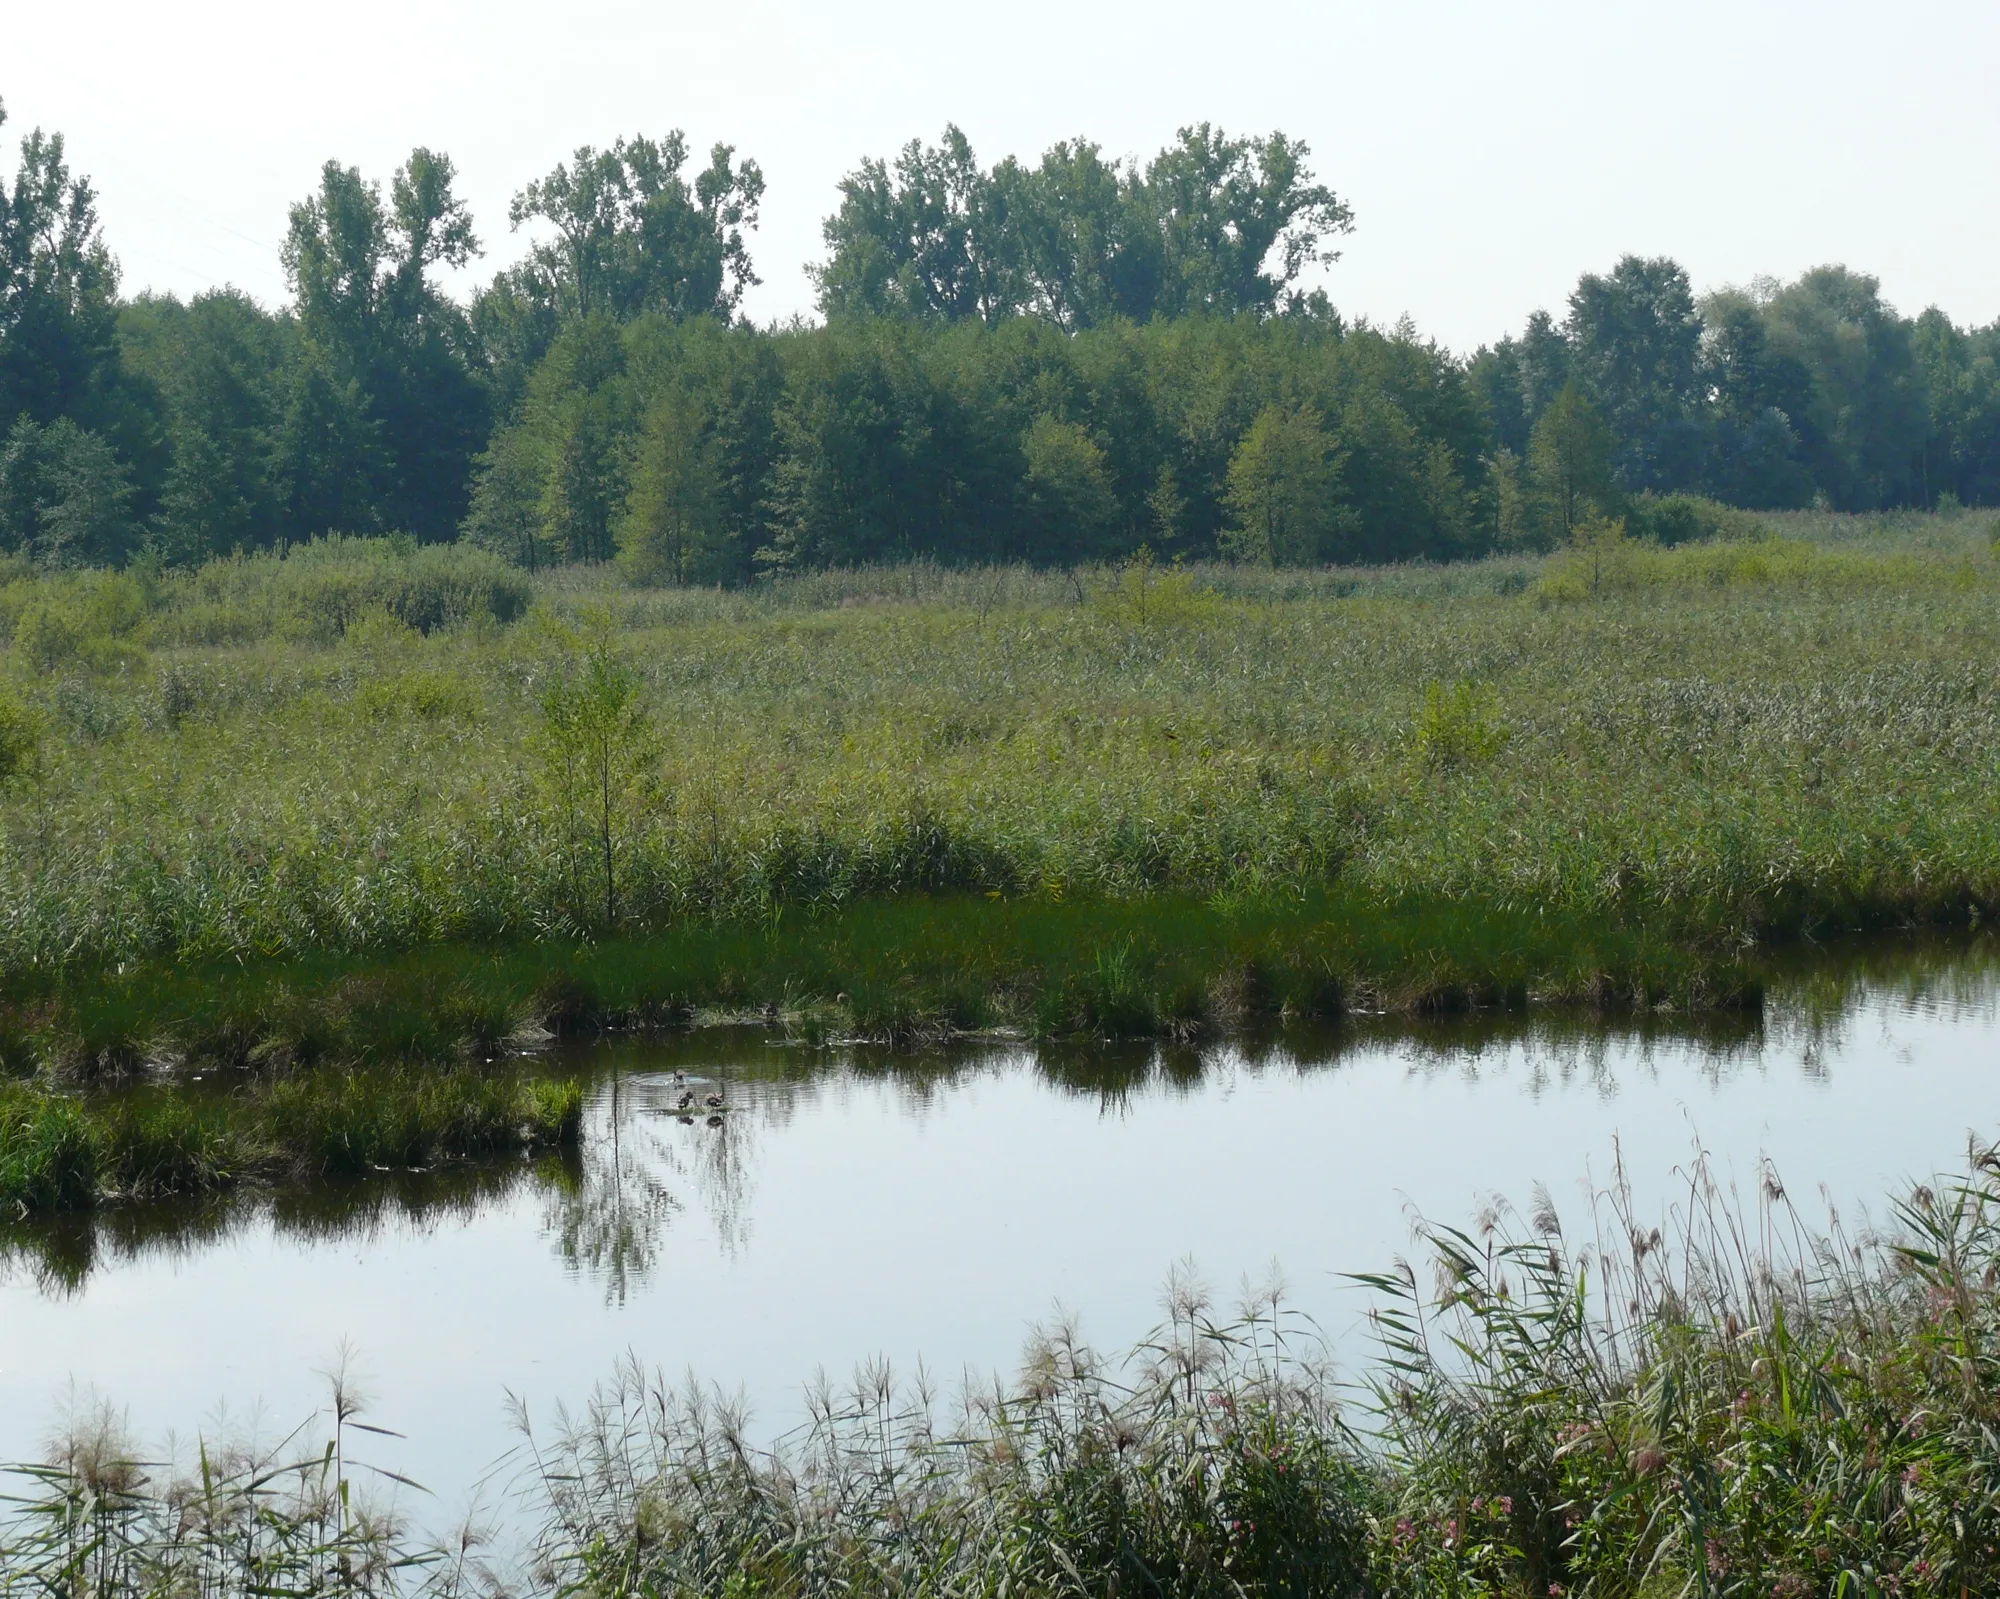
(1760, 739)
(1726, 1402)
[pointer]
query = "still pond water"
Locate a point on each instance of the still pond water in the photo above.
(855, 1204)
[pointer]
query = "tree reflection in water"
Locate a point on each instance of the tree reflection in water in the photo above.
(640, 1155)
(606, 1208)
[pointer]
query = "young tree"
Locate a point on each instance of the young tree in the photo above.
(597, 748)
(1284, 495)
(672, 524)
(220, 364)
(1072, 507)
(65, 497)
(1513, 520)
(1569, 466)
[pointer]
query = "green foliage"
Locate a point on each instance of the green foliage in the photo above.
(1142, 594)
(1456, 727)
(1211, 225)
(87, 622)
(1670, 519)
(1569, 468)
(21, 734)
(635, 236)
(1284, 492)
(385, 415)
(59, 357)
(318, 591)
(673, 527)
(598, 753)
(706, 449)
(1072, 509)
(423, 696)
(64, 496)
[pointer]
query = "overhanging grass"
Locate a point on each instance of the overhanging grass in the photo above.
(342, 1064)
(895, 969)
(65, 1150)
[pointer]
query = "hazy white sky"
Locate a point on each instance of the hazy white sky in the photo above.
(1491, 152)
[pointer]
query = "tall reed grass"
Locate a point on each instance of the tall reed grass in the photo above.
(1735, 740)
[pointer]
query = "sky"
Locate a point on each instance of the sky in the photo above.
(1491, 153)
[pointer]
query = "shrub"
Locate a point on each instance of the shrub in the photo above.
(419, 696)
(49, 634)
(1457, 726)
(20, 741)
(1670, 519)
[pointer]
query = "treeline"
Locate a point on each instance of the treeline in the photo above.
(1055, 362)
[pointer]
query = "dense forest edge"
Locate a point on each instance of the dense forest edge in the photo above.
(1057, 362)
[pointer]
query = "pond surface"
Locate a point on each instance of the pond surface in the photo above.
(854, 1204)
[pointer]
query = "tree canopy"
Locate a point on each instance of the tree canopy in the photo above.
(1056, 360)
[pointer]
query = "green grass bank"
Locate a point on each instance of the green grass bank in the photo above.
(163, 1080)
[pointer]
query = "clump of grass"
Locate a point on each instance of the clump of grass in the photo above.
(243, 1517)
(1212, 1461)
(1743, 1406)
(48, 1154)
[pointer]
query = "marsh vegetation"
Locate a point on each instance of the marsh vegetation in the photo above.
(369, 803)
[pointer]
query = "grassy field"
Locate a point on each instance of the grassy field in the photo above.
(1756, 738)
(376, 803)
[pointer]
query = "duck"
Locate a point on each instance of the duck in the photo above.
(685, 1101)
(713, 1102)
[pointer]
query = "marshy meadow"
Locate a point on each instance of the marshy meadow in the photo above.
(336, 866)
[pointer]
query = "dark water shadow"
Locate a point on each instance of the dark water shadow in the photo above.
(642, 1165)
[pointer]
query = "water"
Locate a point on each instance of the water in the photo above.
(855, 1204)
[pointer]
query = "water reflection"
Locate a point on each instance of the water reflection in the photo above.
(644, 1167)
